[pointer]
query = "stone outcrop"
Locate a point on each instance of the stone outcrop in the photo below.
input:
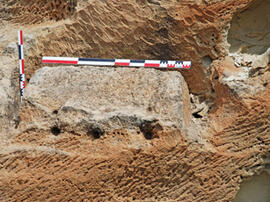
(36, 11)
(185, 30)
(249, 31)
(83, 99)
(123, 134)
(9, 108)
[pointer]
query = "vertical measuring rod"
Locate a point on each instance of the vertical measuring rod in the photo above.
(21, 63)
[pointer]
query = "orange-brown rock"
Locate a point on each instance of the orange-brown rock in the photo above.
(184, 30)
(106, 134)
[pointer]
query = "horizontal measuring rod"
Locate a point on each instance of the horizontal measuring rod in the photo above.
(118, 62)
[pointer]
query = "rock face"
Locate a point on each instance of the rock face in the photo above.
(36, 11)
(123, 134)
(83, 99)
(185, 30)
(9, 108)
(249, 32)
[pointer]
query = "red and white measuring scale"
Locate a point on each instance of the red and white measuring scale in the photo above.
(21, 62)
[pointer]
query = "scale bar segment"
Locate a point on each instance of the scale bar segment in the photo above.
(118, 62)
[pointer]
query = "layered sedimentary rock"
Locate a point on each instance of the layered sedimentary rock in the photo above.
(142, 30)
(33, 12)
(127, 134)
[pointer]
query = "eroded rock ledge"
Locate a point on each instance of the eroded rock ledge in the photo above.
(80, 99)
(105, 134)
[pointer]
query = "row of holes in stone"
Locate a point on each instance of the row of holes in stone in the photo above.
(97, 133)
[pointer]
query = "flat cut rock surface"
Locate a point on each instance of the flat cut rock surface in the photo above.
(108, 97)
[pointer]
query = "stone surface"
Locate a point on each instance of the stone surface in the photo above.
(109, 134)
(177, 30)
(10, 98)
(78, 98)
(33, 11)
(249, 32)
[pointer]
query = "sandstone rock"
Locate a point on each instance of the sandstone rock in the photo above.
(100, 134)
(80, 98)
(186, 30)
(36, 11)
(9, 94)
(249, 32)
